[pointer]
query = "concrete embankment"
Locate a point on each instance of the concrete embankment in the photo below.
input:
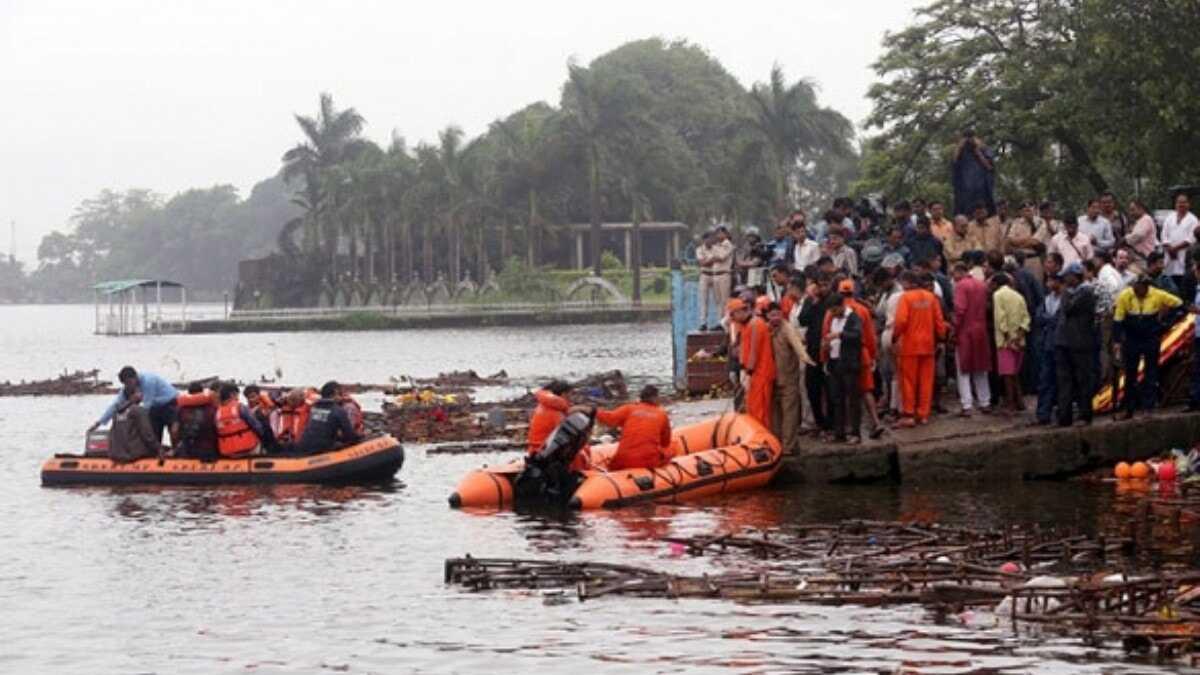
(991, 448)
(412, 321)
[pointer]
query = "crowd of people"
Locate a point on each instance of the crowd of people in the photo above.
(871, 314)
(213, 422)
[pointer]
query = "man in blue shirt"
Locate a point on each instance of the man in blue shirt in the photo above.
(158, 397)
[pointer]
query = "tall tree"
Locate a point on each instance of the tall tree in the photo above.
(793, 124)
(332, 136)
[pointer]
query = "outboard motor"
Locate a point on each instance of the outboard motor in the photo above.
(547, 479)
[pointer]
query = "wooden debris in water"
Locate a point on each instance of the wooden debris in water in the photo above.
(78, 383)
(1143, 593)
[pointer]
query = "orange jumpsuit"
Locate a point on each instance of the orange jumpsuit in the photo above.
(870, 349)
(919, 325)
(645, 435)
(757, 354)
(550, 410)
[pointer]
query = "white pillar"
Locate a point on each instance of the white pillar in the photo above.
(579, 250)
(628, 249)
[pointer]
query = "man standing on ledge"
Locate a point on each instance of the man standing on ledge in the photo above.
(158, 397)
(757, 359)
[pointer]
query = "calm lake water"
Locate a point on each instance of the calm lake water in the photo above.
(302, 579)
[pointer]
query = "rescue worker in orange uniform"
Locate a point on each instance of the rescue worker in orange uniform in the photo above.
(866, 377)
(757, 360)
(645, 432)
(552, 406)
(918, 328)
(238, 433)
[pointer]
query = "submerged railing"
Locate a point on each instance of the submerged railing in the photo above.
(443, 309)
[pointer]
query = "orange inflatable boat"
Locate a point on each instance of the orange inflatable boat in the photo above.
(730, 453)
(374, 459)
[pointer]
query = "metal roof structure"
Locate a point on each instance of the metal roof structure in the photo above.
(122, 285)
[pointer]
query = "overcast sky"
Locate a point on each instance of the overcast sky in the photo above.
(172, 94)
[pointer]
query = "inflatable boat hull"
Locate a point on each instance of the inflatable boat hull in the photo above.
(731, 453)
(376, 459)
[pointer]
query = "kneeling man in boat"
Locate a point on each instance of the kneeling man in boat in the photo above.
(158, 397)
(238, 432)
(329, 425)
(645, 432)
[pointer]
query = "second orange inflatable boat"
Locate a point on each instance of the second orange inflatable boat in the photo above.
(730, 453)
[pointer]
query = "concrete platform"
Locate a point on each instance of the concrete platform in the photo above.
(982, 448)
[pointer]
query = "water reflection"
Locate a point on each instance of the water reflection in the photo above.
(197, 505)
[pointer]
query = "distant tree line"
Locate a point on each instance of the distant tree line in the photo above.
(652, 130)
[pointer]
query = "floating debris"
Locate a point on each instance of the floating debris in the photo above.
(1138, 590)
(78, 383)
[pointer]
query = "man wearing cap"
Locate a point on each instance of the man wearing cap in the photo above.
(1074, 246)
(1074, 346)
(919, 326)
(757, 359)
(842, 352)
(1137, 328)
(715, 256)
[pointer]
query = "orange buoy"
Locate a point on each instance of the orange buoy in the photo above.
(1139, 470)
(1121, 471)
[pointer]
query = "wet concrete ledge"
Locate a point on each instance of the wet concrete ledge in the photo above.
(992, 449)
(384, 321)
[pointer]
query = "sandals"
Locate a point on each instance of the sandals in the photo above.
(877, 433)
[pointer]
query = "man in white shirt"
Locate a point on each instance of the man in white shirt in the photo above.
(807, 252)
(1109, 277)
(1178, 234)
(1074, 246)
(715, 256)
(1097, 227)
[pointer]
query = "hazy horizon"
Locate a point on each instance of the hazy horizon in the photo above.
(169, 96)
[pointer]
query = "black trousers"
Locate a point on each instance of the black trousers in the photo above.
(815, 385)
(845, 401)
(162, 416)
(1075, 374)
(1144, 395)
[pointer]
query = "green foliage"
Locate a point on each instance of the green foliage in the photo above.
(1075, 97)
(521, 282)
(610, 261)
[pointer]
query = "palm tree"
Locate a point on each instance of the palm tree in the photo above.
(595, 109)
(792, 122)
(329, 138)
(527, 151)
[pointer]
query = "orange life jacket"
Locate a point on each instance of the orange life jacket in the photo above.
(292, 420)
(234, 436)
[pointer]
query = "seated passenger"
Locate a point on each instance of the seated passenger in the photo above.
(238, 433)
(645, 432)
(551, 407)
(261, 406)
(328, 425)
(132, 435)
(289, 421)
(354, 412)
(197, 423)
(158, 397)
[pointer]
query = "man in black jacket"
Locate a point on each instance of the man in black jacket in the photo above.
(328, 424)
(812, 319)
(1074, 344)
